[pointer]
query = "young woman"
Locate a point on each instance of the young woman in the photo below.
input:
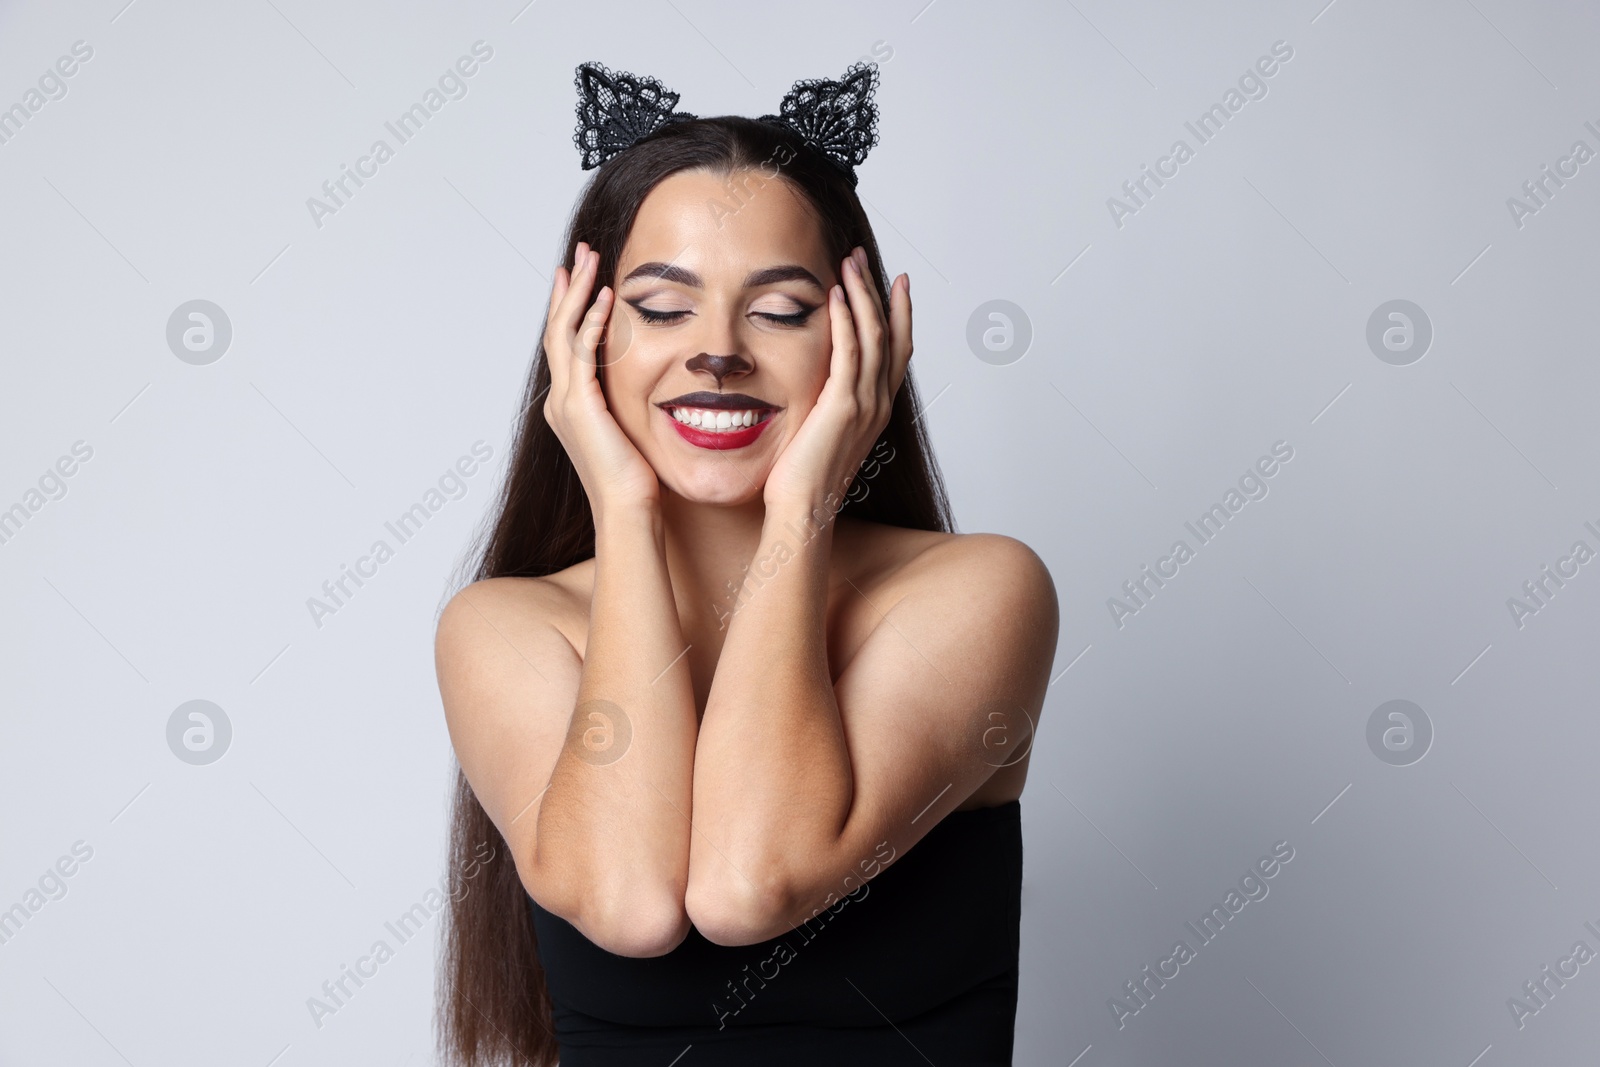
(742, 725)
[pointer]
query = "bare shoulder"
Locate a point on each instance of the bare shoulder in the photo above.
(952, 568)
(498, 643)
(514, 610)
(508, 673)
(983, 558)
(990, 589)
(956, 637)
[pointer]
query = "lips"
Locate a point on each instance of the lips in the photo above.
(718, 420)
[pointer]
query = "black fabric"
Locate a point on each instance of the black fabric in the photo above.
(920, 966)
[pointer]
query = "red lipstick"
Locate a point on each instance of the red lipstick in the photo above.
(725, 439)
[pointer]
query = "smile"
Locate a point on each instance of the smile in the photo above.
(719, 428)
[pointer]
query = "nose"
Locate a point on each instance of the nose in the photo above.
(719, 366)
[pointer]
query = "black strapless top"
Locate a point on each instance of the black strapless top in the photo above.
(920, 966)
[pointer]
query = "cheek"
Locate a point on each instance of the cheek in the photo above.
(626, 393)
(801, 367)
(812, 359)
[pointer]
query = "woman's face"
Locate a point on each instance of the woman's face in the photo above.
(721, 320)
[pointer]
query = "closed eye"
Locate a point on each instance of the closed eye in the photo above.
(795, 318)
(658, 316)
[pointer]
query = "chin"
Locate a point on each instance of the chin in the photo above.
(719, 483)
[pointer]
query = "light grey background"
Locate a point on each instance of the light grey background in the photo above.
(1168, 354)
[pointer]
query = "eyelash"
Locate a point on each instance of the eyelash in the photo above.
(798, 318)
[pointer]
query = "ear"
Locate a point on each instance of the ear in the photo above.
(615, 109)
(838, 118)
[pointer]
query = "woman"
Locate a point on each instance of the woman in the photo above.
(742, 723)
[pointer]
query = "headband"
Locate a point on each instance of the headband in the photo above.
(837, 118)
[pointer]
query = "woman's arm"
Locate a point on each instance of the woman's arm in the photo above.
(611, 853)
(591, 797)
(802, 784)
(612, 846)
(773, 780)
(602, 838)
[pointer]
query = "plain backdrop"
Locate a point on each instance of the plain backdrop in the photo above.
(1157, 351)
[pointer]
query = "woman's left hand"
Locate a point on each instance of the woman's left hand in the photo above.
(870, 355)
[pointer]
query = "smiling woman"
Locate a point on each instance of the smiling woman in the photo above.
(746, 290)
(689, 797)
(715, 419)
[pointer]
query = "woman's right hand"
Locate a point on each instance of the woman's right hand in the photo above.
(613, 472)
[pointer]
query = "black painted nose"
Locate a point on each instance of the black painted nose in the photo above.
(719, 366)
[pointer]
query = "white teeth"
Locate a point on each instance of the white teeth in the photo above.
(716, 420)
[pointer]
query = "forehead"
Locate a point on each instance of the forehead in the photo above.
(706, 220)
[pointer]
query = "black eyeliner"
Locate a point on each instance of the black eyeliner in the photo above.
(797, 318)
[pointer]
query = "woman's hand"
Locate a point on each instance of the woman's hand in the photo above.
(870, 355)
(613, 472)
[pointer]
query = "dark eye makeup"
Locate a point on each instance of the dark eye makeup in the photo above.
(796, 318)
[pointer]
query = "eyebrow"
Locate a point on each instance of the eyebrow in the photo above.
(789, 272)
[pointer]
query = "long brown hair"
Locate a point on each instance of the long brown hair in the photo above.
(493, 1006)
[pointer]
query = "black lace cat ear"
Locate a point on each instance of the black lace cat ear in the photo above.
(616, 108)
(836, 117)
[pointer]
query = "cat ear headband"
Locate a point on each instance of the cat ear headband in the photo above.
(837, 118)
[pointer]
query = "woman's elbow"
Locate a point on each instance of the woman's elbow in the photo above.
(639, 928)
(635, 921)
(737, 912)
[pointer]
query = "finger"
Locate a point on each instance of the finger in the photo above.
(552, 355)
(563, 279)
(845, 364)
(899, 331)
(577, 299)
(880, 314)
(869, 330)
(866, 268)
(558, 288)
(589, 335)
(552, 331)
(564, 321)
